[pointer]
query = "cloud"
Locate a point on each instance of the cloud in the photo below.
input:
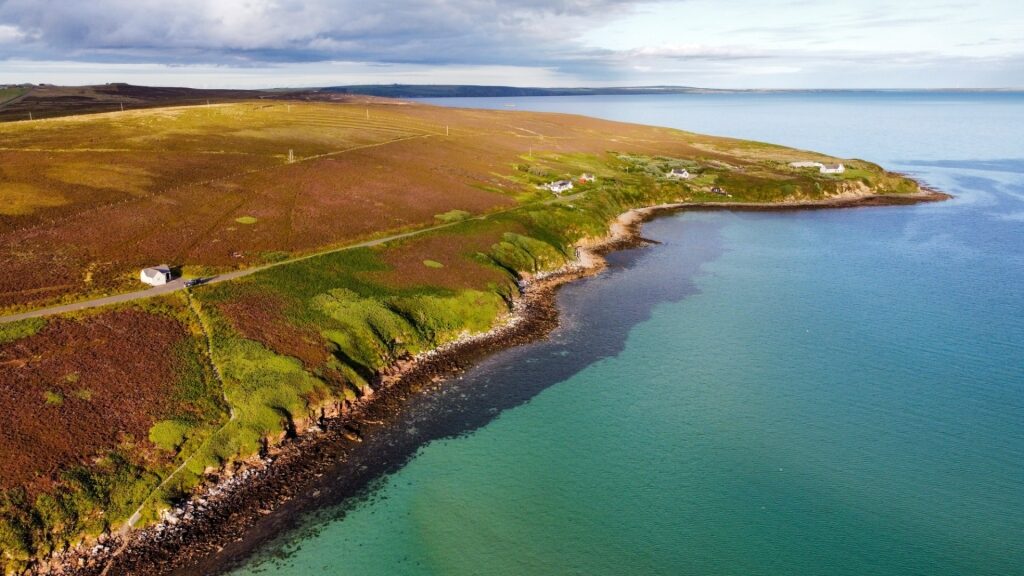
(805, 43)
(9, 34)
(695, 52)
(237, 31)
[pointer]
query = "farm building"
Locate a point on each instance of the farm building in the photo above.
(679, 173)
(156, 276)
(586, 177)
(560, 186)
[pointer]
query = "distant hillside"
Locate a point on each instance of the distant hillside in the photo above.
(48, 101)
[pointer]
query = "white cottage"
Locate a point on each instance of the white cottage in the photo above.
(823, 168)
(679, 173)
(156, 276)
(560, 186)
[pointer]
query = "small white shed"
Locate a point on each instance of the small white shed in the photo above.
(156, 276)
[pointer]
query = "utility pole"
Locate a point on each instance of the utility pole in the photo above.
(30, 115)
(367, 113)
(446, 130)
(122, 106)
(291, 155)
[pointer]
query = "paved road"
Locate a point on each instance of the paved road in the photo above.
(179, 284)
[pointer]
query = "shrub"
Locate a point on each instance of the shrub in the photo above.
(169, 434)
(453, 216)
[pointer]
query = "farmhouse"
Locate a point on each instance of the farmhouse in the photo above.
(586, 177)
(560, 186)
(679, 173)
(156, 276)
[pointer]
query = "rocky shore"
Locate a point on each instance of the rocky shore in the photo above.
(192, 537)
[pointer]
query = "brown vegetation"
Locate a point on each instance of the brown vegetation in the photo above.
(79, 387)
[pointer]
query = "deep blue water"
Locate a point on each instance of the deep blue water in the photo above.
(823, 392)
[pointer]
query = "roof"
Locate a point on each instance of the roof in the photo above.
(155, 271)
(831, 166)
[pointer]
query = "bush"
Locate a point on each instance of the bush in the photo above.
(453, 216)
(169, 434)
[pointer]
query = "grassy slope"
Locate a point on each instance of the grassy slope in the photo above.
(290, 340)
(7, 94)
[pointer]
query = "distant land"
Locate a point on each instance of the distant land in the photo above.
(32, 101)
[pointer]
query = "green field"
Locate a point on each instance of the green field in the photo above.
(7, 94)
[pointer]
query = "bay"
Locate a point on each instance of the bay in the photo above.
(821, 392)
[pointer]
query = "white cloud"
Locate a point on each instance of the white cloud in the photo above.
(735, 44)
(10, 34)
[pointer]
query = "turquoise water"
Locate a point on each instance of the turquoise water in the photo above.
(826, 392)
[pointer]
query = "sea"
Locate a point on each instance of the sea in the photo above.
(823, 392)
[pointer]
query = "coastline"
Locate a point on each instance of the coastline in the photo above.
(226, 509)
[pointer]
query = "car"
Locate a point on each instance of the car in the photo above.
(194, 282)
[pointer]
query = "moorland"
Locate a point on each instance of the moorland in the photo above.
(113, 414)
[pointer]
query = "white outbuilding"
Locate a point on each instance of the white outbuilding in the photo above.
(156, 276)
(679, 173)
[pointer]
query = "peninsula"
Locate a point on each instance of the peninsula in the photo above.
(318, 254)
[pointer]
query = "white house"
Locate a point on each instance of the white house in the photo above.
(560, 186)
(679, 173)
(156, 276)
(823, 168)
(586, 177)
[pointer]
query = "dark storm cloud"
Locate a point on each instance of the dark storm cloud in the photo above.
(520, 32)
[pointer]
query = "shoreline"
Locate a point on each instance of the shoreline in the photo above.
(217, 526)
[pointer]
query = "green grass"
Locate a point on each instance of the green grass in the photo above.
(12, 331)
(10, 93)
(247, 220)
(53, 398)
(432, 264)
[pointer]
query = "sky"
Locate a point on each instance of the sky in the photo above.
(554, 43)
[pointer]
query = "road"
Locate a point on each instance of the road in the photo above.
(179, 284)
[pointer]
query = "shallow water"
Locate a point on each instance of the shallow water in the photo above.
(822, 392)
